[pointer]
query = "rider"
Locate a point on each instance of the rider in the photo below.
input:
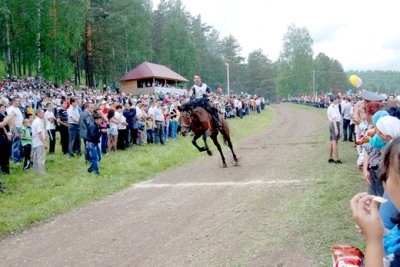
(199, 94)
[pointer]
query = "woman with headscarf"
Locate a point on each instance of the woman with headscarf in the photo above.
(388, 129)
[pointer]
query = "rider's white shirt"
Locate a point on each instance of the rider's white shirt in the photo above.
(200, 90)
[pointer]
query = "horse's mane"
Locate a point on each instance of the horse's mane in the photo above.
(186, 107)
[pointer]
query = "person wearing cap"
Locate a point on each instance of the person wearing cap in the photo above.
(334, 129)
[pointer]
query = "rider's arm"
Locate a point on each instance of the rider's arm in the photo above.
(191, 92)
(209, 91)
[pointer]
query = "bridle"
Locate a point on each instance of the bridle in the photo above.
(184, 116)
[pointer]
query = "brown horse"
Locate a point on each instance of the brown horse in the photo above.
(202, 124)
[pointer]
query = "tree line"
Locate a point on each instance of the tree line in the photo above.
(95, 42)
(380, 81)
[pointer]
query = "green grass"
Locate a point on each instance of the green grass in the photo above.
(31, 197)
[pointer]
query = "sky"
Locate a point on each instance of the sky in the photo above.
(362, 35)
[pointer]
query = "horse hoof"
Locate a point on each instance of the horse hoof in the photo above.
(224, 165)
(209, 153)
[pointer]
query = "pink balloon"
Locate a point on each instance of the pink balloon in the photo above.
(359, 83)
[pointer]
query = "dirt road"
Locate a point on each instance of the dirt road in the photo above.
(196, 215)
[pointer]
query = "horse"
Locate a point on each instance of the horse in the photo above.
(201, 123)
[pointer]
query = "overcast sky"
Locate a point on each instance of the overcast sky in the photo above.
(362, 35)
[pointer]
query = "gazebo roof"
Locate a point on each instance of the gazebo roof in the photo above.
(150, 70)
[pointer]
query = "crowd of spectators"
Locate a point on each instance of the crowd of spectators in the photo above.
(34, 115)
(371, 123)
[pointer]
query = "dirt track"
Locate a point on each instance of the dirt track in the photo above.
(196, 215)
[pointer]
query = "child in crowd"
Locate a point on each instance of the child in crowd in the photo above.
(150, 130)
(26, 142)
(381, 250)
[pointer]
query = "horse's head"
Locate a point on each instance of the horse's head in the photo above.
(186, 118)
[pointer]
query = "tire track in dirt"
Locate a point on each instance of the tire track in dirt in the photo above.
(185, 225)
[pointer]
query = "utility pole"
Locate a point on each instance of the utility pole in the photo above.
(227, 78)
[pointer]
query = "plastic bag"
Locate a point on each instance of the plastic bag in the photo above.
(347, 256)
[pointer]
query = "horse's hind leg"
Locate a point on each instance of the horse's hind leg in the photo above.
(216, 143)
(205, 145)
(228, 140)
(195, 137)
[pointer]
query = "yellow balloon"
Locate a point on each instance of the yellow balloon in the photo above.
(353, 79)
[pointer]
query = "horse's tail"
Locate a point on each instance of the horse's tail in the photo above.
(224, 123)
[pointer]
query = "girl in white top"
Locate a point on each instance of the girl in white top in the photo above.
(113, 133)
(49, 119)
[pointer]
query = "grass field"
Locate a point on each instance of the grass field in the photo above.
(31, 197)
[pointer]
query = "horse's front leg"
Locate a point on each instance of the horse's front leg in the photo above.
(194, 142)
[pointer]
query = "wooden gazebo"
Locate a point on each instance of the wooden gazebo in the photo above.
(149, 78)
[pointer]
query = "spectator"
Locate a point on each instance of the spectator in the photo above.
(388, 129)
(346, 113)
(122, 132)
(174, 120)
(26, 141)
(148, 131)
(104, 124)
(50, 120)
(74, 144)
(130, 115)
(39, 144)
(5, 139)
(158, 118)
(334, 130)
(94, 131)
(113, 131)
(62, 120)
(85, 119)
(381, 250)
(16, 128)
(372, 158)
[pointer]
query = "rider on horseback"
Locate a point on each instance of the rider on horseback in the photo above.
(199, 94)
